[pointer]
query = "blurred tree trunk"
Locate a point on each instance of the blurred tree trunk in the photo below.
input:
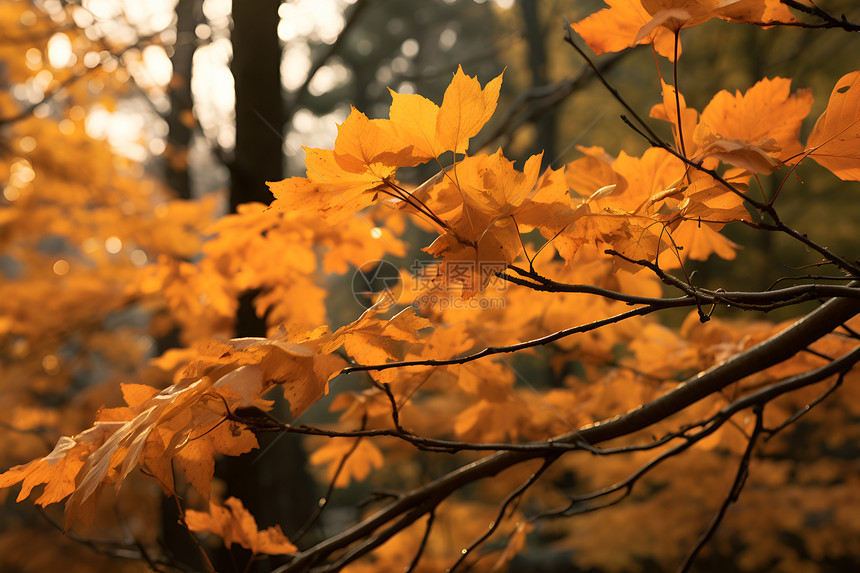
(545, 122)
(180, 120)
(272, 482)
(259, 107)
(177, 177)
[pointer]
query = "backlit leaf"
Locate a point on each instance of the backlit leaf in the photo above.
(835, 139)
(464, 111)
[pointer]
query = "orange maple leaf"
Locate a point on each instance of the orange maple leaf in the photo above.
(683, 123)
(363, 457)
(184, 422)
(413, 118)
(549, 209)
(235, 524)
(367, 152)
(373, 340)
(628, 23)
(481, 200)
(615, 28)
(364, 146)
(615, 215)
(754, 130)
(491, 420)
(592, 172)
(58, 469)
(835, 140)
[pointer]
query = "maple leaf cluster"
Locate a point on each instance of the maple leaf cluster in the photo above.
(603, 221)
(481, 204)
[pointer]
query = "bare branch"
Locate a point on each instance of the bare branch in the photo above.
(409, 506)
(752, 300)
(491, 350)
(828, 20)
(734, 492)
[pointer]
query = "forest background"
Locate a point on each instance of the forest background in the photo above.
(127, 131)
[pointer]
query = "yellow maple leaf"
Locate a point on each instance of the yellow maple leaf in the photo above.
(328, 190)
(480, 203)
(756, 129)
(182, 422)
(367, 152)
(413, 120)
(464, 111)
(364, 146)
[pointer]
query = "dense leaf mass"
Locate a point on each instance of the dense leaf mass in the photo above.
(651, 431)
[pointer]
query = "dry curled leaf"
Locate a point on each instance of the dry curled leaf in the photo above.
(235, 524)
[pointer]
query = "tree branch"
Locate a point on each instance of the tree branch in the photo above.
(765, 300)
(734, 492)
(409, 506)
(491, 350)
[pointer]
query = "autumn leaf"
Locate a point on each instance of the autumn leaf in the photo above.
(328, 190)
(413, 119)
(707, 199)
(683, 123)
(616, 216)
(628, 23)
(480, 202)
(235, 524)
(761, 12)
(58, 470)
(191, 419)
(592, 172)
(615, 28)
(754, 130)
(464, 111)
(674, 15)
(549, 208)
(363, 146)
(184, 422)
(363, 456)
(835, 140)
(490, 420)
(367, 152)
(301, 364)
(373, 340)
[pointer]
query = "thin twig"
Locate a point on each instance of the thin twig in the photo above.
(312, 519)
(734, 492)
(431, 517)
(597, 72)
(512, 496)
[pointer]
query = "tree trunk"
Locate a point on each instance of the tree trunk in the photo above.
(188, 13)
(545, 120)
(259, 109)
(180, 119)
(272, 482)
